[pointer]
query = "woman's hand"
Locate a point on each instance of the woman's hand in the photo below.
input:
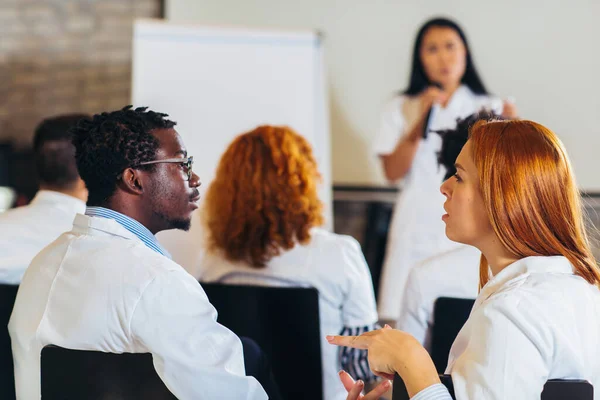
(355, 389)
(430, 96)
(397, 164)
(427, 98)
(391, 351)
(509, 110)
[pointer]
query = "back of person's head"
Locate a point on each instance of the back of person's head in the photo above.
(453, 140)
(530, 194)
(110, 142)
(54, 152)
(264, 197)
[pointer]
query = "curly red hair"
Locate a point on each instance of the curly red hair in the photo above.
(264, 197)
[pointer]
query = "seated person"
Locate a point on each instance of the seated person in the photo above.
(27, 230)
(537, 316)
(262, 217)
(450, 274)
(453, 273)
(107, 285)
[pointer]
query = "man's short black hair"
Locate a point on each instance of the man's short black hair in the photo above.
(453, 140)
(113, 141)
(54, 152)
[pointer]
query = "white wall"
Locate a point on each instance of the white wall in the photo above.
(544, 53)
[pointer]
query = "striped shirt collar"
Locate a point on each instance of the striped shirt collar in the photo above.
(139, 230)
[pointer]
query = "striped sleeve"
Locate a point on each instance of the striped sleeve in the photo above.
(433, 392)
(354, 361)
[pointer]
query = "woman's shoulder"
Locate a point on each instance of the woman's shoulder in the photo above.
(341, 253)
(542, 299)
(400, 102)
(324, 239)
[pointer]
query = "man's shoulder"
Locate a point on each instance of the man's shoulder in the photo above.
(112, 252)
(16, 214)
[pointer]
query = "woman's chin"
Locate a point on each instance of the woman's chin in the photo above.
(450, 234)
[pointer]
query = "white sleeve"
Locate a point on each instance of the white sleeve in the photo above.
(358, 308)
(507, 354)
(416, 313)
(391, 127)
(433, 392)
(196, 357)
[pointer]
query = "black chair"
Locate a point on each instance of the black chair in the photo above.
(555, 389)
(285, 324)
(8, 293)
(93, 375)
(6, 155)
(449, 316)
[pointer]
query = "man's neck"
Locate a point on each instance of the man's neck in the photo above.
(134, 211)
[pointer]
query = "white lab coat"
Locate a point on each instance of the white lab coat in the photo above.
(454, 273)
(534, 321)
(331, 263)
(25, 231)
(98, 287)
(417, 231)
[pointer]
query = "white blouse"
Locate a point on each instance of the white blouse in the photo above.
(454, 273)
(534, 321)
(331, 263)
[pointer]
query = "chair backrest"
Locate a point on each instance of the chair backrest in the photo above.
(449, 316)
(285, 324)
(77, 374)
(555, 389)
(8, 293)
(559, 389)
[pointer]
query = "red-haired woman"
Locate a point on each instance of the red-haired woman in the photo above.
(537, 316)
(262, 217)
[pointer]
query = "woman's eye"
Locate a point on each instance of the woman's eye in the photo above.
(458, 179)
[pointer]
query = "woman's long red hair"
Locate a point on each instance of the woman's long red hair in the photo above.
(264, 197)
(530, 193)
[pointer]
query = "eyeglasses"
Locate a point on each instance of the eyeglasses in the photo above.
(186, 163)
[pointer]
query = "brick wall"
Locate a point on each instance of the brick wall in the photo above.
(60, 56)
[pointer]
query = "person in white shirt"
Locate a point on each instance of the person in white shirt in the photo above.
(450, 274)
(453, 273)
(537, 316)
(107, 285)
(262, 216)
(444, 86)
(24, 231)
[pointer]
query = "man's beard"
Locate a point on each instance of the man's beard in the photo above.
(174, 223)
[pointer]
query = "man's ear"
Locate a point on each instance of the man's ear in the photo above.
(131, 181)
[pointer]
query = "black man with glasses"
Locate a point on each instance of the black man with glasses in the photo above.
(108, 285)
